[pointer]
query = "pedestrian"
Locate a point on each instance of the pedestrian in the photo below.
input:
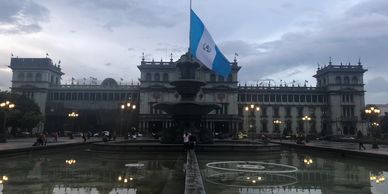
(192, 141)
(44, 138)
(55, 136)
(84, 137)
(359, 138)
(186, 141)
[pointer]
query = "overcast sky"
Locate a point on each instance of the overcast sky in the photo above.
(278, 40)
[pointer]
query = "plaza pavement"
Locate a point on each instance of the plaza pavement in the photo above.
(341, 147)
(15, 145)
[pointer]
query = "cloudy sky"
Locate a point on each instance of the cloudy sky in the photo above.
(278, 40)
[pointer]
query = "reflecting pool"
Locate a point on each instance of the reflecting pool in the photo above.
(317, 173)
(86, 172)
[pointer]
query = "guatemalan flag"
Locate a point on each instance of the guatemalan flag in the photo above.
(203, 48)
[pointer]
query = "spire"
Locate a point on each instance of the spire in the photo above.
(359, 61)
(142, 57)
(171, 58)
(330, 63)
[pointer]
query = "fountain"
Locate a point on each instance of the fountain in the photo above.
(187, 113)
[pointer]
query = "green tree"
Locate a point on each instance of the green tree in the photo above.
(26, 114)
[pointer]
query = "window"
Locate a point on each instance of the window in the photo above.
(38, 77)
(290, 99)
(338, 80)
(272, 98)
(29, 76)
(278, 98)
(98, 96)
(122, 96)
(346, 80)
(302, 98)
(93, 96)
(148, 77)
(212, 77)
(157, 77)
(308, 98)
(266, 98)
(110, 96)
(86, 96)
(254, 97)
(117, 96)
(354, 80)
(284, 98)
(288, 111)
(276, 111)
(68, 96)
(315, 98)
(260, 98)
(165, 77)
(242, 97)
(56, 96)
(249, 99)
(62, 96)
(221, 78)
(21, 76)
(80, 96)
(74, 96)
(104, 96)
(296, 98)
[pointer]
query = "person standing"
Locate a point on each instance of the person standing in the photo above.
(186, 141)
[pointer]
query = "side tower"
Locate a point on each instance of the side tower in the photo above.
(33, 78)
(345, 93)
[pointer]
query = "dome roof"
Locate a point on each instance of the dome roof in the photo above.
(109, 82)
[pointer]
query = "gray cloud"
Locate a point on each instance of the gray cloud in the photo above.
(23, 16)
(378, 84)
(117, 13)
(356, 33)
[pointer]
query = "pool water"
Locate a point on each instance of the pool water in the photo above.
(318, 173)
(86, 172)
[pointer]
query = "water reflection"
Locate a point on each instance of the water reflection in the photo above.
(316, 174)
(93, 173)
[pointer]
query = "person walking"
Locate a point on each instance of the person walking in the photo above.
(84, 137)
(359, 138)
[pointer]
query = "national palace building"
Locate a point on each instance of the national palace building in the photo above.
(334, 105)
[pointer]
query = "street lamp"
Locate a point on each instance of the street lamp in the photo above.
(73, 115)
(251, 109)
(127, 106)
(372, 114)
(277, 123)
(5, 106)
(307, 119)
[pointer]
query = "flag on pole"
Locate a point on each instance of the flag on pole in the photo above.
(203, 47)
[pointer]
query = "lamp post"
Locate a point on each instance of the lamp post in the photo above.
(277, 123)
(372, 114)
(5, 106)
(307, 119)
(251, 109)
(127, 106)
(73, 115)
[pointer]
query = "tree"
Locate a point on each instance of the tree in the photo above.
(384, 123)
(26, 114)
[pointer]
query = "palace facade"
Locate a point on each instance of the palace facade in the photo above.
(334, 105)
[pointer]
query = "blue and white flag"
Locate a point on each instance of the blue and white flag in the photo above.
(203, 47)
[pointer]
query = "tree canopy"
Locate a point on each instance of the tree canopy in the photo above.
(26, 114)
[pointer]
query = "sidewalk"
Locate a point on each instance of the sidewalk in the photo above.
(20, 145)
(340, 147)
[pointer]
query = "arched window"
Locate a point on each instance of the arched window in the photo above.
(212, 77)
(165, 77)
(38, 77)
(221, 78)
(21, 76)
(354, 80)
(56, 81)
(148, 77)
(29, 76)
(338, 80)
(346, 80)
(157, 77)
(324, 81)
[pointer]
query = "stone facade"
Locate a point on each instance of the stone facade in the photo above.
(334, 105)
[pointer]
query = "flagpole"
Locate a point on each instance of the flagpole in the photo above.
(190, 31)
